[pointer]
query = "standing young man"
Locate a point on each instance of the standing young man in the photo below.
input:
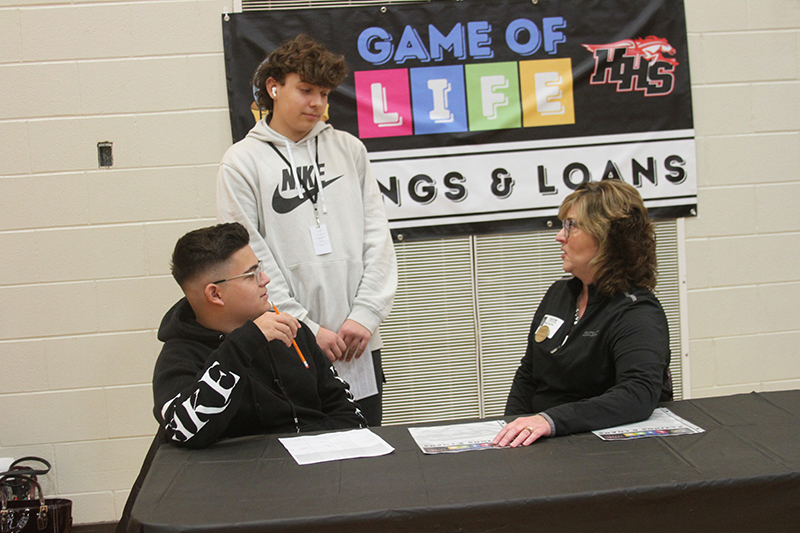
(306, 194)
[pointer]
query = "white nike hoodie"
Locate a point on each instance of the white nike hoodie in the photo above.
(256, 187)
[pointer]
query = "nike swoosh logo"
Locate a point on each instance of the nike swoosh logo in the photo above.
(283, 205)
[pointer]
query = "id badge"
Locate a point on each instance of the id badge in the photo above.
(319, 236)
(550, 324)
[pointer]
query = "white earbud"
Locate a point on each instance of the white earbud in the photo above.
(274, 91)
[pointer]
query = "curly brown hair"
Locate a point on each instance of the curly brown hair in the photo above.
(303, 56)
(613, 214)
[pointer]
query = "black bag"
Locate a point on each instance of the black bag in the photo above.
(31, 515)
(16, 482)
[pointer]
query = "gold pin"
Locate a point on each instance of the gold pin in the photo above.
(541, 333)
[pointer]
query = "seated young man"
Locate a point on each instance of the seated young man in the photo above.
(228, 366)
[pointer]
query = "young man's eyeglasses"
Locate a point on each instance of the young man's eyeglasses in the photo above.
(569, 223)
(255, 273)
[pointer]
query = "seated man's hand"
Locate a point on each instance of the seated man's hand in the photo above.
(522, 431)
(331, 344)
(356, 337)
(282, 327)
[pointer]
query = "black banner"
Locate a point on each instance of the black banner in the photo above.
(483, 115)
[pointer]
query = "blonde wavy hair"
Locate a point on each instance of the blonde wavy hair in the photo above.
(613, 214)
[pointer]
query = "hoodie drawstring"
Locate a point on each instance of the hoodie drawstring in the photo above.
(292, 166)
(314, 159)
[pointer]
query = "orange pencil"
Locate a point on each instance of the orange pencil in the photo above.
(294, 343)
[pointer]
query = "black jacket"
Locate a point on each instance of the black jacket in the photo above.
(613, 368)
(208, 386)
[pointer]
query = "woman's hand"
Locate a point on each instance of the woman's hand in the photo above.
(522, 431)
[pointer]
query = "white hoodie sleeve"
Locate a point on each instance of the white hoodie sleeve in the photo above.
(378, 285)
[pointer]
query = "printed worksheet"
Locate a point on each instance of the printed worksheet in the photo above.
(359, 374)
(662, 423)
(457, 437)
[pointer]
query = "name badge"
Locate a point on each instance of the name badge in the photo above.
(319, 236)
(548, 327)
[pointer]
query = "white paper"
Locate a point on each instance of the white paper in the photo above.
(359, 374)
(457, 437)
(662, 423)
(335, 446)
(5, 463)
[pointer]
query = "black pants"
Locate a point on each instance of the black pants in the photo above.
(372, 406)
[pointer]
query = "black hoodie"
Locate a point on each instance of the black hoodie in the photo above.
(208, 385)
(608, 369)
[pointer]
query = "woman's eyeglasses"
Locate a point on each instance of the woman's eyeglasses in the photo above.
(569, 223)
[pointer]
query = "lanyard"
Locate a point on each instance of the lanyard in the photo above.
(302, 182)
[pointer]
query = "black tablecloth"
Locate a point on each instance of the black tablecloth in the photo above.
(742, 474)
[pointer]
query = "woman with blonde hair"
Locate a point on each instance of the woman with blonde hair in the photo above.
(598, 349)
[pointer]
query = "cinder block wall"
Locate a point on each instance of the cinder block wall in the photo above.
(84, 276)
(84, 273)
(743, 251)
